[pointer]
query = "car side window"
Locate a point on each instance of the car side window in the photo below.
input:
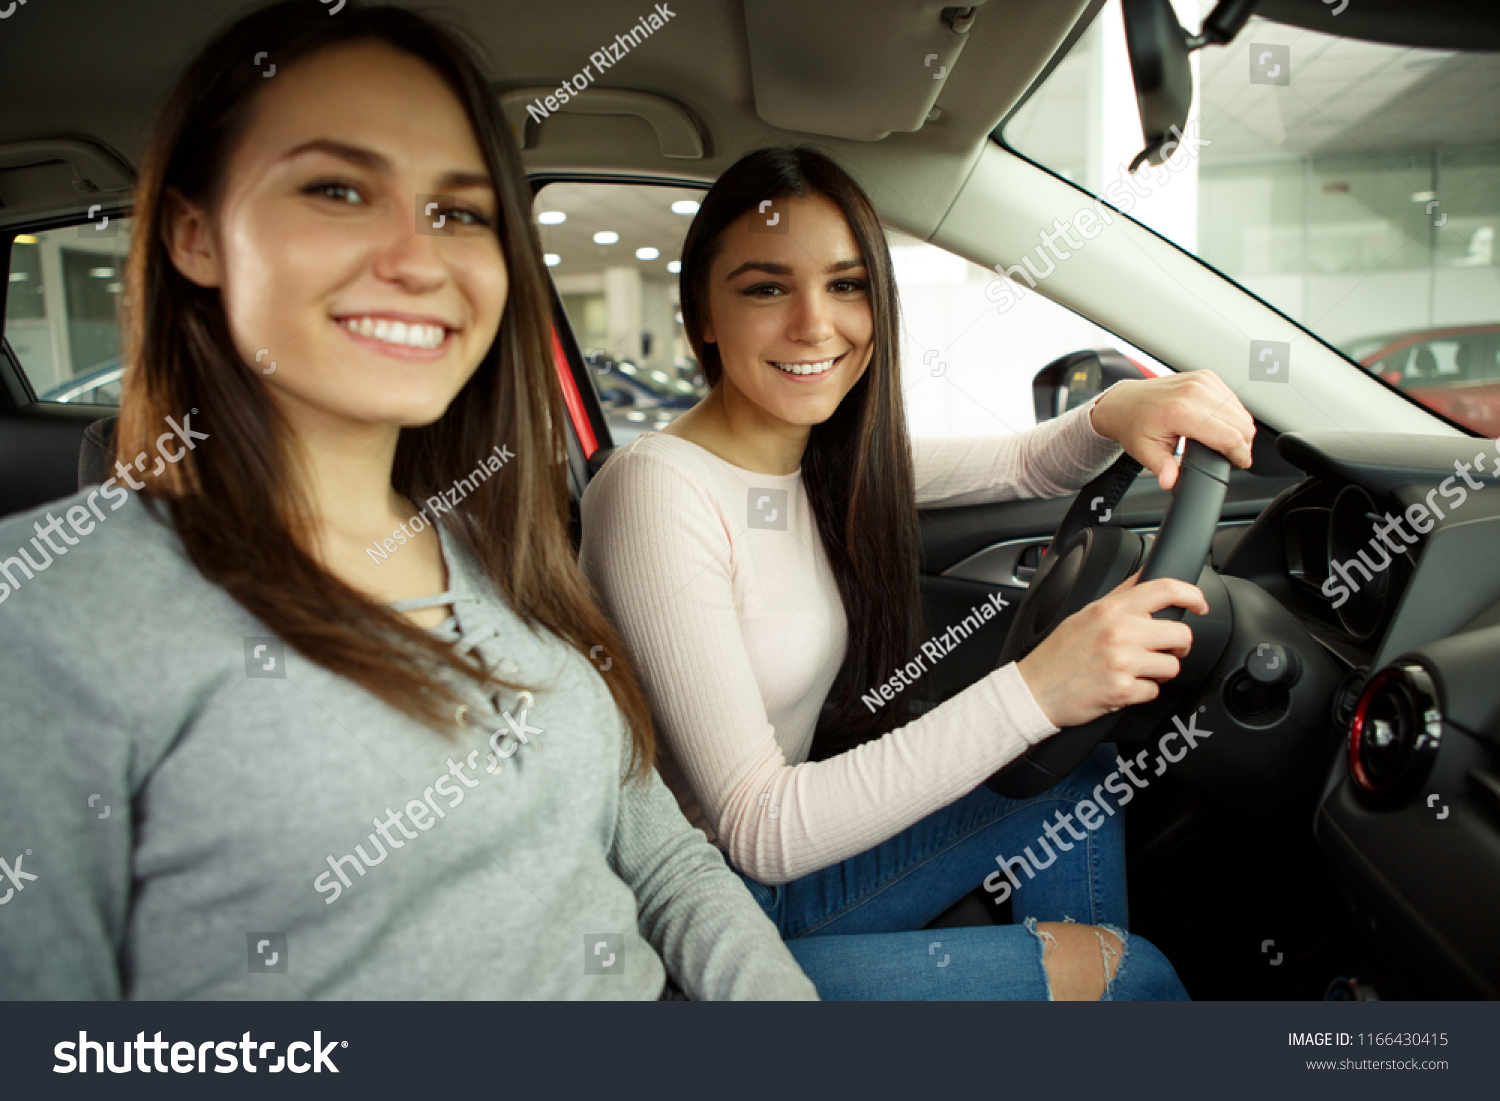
(969, 354)
(971, 349)
(62, 309)
(613, 253)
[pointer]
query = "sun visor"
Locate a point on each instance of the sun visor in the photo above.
(852, 71)
(55, 176)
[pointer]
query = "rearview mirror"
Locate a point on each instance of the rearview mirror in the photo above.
(1159, 65)
(1159, 49)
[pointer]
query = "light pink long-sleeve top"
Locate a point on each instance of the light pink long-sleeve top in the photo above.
(740, 632)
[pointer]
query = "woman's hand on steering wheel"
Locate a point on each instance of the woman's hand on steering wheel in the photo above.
(1146, 417)
(1112, 654)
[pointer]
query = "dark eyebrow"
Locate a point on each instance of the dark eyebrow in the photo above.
(781, 269)
(368, 158)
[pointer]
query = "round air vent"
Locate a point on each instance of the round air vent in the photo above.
(1395, 733)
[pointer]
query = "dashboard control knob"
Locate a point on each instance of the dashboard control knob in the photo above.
(1273, 665)
(1260, 693)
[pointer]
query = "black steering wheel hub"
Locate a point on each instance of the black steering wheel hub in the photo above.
(1093, 563)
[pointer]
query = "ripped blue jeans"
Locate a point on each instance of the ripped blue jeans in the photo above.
(856, 927)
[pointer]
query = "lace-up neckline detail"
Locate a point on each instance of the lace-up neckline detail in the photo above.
(450, 630)
(475, 633)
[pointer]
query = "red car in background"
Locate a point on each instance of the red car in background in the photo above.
(1455, 371)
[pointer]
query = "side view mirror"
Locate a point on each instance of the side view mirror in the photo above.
(1077, 378)
(1159, 48)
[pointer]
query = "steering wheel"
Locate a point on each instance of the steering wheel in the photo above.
(1084, 563)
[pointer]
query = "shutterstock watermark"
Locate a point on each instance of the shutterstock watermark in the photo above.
(1181, 151)
(425, 812)
(77, 516)
(16, 877)
(192, 1057)
(10, 9)
(1091, 813)
(1341, 583)
(934, 650)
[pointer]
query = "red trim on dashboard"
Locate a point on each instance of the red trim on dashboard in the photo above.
(1357, 726)
(572, 399)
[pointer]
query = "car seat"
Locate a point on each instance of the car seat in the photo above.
(1423, 364)
(96, 454)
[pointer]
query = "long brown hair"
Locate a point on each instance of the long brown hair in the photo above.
(857, 468)
(235, 508)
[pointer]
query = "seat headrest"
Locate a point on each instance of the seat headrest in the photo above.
(598, 459)
(1463, 356)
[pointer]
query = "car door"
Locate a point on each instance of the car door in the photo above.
(978, 554)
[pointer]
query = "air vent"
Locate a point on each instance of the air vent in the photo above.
(1395, 734)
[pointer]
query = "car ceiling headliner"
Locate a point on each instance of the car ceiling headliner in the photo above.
(98, 68)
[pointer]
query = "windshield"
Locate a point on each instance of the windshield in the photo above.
(1353, 186)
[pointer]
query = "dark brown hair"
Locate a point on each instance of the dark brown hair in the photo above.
(239, 516)
(857, 468)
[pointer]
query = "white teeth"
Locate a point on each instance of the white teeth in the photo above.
(806, 368)
(397, 332)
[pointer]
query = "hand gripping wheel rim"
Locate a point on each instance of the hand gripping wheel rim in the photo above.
(1181, 548)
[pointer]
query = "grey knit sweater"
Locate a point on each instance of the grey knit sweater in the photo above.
(189, 809)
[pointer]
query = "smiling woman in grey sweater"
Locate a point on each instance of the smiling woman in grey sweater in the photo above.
(268, 729)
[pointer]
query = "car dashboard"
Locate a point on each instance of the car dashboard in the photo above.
(1388, 558)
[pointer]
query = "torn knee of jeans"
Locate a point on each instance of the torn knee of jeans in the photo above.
(1111, 957)
(1044, 940)
(1113, 960)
